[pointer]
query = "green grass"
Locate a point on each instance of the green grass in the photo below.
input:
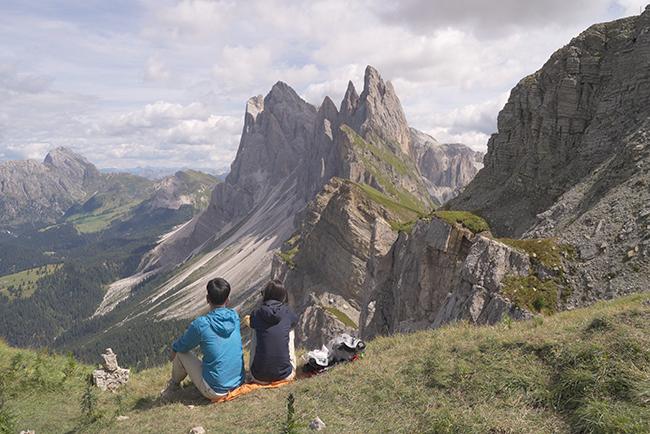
(405, 210)
(532, 293)
(471, 221)
(406, 214)
(545, 250)
(288, 256)
(26, 278)
(341, 316)
(380, 152)
(102, 218)
(584, 371)
(377, 159)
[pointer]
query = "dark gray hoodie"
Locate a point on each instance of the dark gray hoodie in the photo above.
(272, 323)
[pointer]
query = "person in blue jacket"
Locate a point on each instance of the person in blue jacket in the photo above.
(272, 348)
(217, 333)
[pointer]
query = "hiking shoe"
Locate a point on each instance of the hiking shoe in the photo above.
(170, 390)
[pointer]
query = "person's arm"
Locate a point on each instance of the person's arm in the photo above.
(190, 339)
(253, 321)
(294, 319)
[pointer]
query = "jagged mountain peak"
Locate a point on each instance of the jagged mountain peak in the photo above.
(61, 154)
(377, 111)
(328, 109)
(350, 101)
(73, 165)
(281, 92)
(372, 82)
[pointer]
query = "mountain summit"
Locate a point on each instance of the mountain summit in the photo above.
(33, 192)
(293, 160)
(571, 158)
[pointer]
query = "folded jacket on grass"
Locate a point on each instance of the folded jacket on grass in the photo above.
(248, 388)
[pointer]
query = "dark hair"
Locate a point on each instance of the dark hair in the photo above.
(274, 290)
(218, 291)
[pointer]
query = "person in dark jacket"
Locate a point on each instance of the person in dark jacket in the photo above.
(272, 348)
(217, 334)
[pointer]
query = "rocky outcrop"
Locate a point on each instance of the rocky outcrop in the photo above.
(185, 187)
(562, 122)
(325, 260)
(276, 131)
(571, 159)
(438, 274)
(447, 167)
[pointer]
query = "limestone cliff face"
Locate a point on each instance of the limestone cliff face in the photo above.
(376, 112)
(185, 187)
(355, 167)
(326, 260)
(438, 274)
(367, 141)
(571, 159)
(39, 193)
(563, 122)
(448, 168)
(276, 131)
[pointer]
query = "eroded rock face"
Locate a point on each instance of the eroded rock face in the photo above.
(571, 159)
(33, 192)
(447, 167)
(277, 129)
(439, 274)
(562, 122)
(338, 232)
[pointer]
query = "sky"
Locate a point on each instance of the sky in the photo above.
(164, 83)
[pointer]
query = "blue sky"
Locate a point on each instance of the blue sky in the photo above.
(164, 83)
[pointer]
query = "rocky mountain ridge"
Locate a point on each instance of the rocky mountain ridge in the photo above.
(290, 153)
(571, 159)
(66, 186)
(41, 192)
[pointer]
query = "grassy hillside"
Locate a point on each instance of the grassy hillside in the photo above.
(23, 283)
(585, 371)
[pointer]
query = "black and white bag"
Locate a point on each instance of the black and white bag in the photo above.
(342, 348)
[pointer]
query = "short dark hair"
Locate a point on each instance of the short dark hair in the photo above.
(274, 290)
(218, 291)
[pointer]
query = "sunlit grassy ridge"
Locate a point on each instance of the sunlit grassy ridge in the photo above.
(585, 371)
(23, 283)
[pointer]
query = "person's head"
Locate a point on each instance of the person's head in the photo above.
(218, 291)
(274, 290)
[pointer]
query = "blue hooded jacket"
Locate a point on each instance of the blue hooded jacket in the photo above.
(218, 334)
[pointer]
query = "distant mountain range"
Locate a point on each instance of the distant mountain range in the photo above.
(156, 173)
(67, 187)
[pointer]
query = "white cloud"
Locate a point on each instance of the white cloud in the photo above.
(14, 82)
(34, 151)
(156, 70)
(165, 81)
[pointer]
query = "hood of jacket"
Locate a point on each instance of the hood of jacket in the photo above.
(223, 321)
(272, 311)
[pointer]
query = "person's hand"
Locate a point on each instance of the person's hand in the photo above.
(247, 320)
(172, 355)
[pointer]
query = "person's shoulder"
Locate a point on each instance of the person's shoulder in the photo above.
(200, 321)
(233, 312)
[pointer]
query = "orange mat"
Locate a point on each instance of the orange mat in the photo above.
(248, 388)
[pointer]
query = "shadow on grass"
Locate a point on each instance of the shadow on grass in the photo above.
(188, 395)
